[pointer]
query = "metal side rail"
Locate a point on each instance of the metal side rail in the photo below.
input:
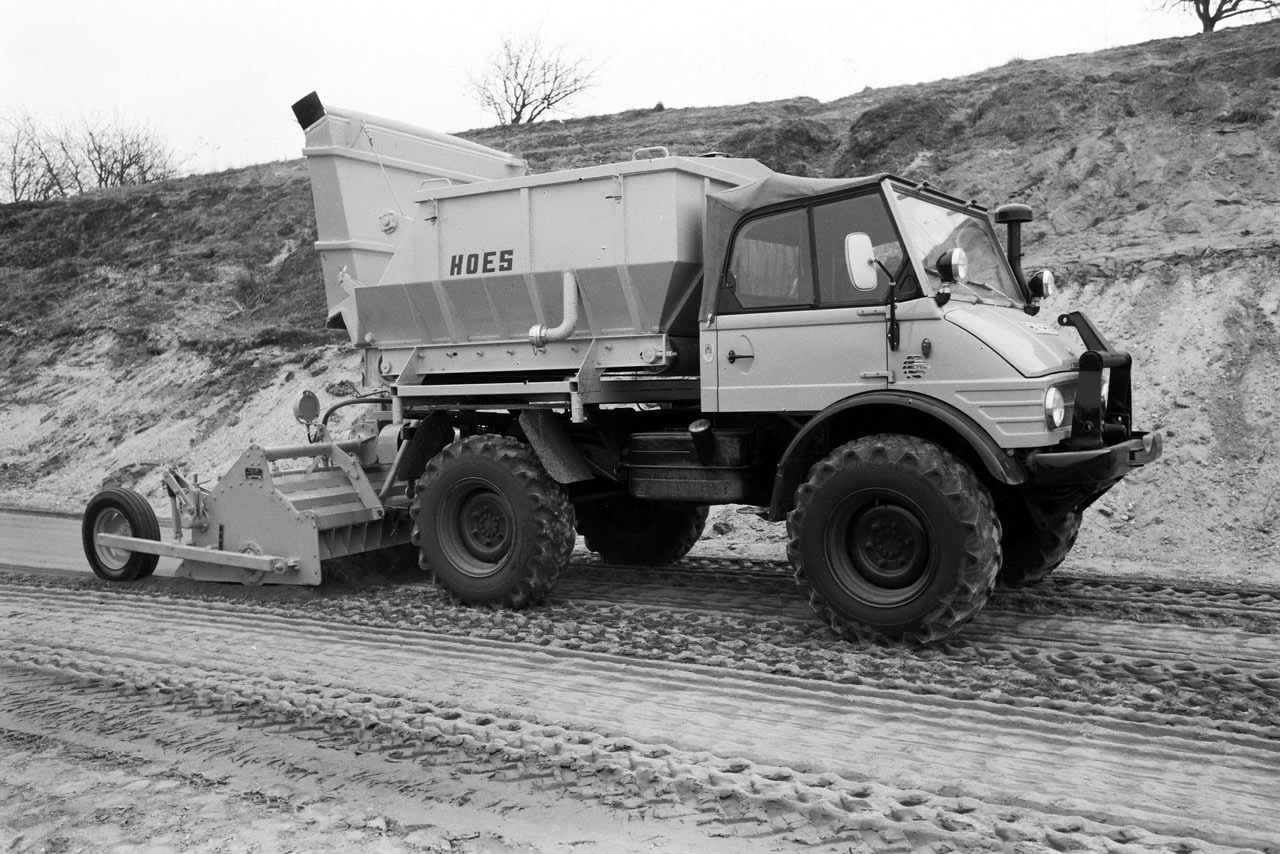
(204, 554)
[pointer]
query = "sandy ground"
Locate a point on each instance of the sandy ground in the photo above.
(698, 708)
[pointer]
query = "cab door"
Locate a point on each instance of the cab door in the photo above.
(791, 332)
(798, 361)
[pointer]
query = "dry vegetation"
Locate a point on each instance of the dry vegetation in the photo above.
(137, 319)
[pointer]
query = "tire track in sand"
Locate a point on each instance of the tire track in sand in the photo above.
(1066, 670)
(986, 751)
(1062, 593)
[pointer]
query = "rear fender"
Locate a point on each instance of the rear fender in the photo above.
(428, 438)
(545, 432)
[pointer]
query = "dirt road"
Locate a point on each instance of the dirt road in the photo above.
(698, 708)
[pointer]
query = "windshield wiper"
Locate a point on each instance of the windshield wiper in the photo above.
(968, 282)
(991, 288)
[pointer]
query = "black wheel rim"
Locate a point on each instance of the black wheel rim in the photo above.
(476, 527)
(879, 546)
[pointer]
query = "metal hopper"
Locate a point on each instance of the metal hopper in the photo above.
(447, 264)
(364, 173)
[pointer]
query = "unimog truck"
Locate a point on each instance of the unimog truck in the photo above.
(615, 348)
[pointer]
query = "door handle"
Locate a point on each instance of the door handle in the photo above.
(733, 357)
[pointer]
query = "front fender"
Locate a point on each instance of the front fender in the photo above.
(914, 409)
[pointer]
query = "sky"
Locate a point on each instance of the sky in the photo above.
(217, 77)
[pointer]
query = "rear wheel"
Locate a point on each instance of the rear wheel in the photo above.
(623, 529)
(124, 513)
(1030, 554)
(492, 526)
(895, 540)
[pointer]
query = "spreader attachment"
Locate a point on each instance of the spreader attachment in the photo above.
(264, 522)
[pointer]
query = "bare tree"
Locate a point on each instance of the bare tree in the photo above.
(525, 78)
(18, 162)
(17, 170)
(1210, 12)
(117, 153)
(40, 161)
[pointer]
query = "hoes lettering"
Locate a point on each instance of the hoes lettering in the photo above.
(498, 261)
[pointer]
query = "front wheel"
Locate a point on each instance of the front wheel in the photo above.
(895, 539)
(622, 529)
(124, 513)
(493, 527)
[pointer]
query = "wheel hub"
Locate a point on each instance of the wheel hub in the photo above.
(483, 530)
(485, 524)
(889, 545)
(112, 521)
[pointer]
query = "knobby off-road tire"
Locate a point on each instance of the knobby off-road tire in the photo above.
(623, 529)
(126, 513)
(1030, 554)
(895, 541)
(493, 527)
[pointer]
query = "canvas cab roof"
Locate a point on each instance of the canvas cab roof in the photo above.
(727, 207)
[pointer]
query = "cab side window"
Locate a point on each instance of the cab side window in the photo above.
(771, 265)
(831, 223)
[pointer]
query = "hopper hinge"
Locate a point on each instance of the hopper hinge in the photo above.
(616, 195)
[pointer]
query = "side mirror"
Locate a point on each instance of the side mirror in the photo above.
(1042, 284)
(860, 258)
(730, 280)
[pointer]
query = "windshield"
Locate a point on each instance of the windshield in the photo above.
(936, 229)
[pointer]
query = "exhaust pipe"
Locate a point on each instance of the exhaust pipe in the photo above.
(540, 334)
(1013, 216)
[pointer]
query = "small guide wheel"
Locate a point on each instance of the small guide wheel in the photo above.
(124, 513)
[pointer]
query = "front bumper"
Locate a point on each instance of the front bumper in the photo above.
(1095, 466)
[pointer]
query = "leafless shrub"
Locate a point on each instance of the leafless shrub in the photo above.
(118, 152)
(35, 163)
(41, 160)
(250, 289)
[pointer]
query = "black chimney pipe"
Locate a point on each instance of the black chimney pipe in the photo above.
(1013, 216)
(308, 110)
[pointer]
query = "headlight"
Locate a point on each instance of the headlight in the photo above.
(1055, 408)
(953, 266)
